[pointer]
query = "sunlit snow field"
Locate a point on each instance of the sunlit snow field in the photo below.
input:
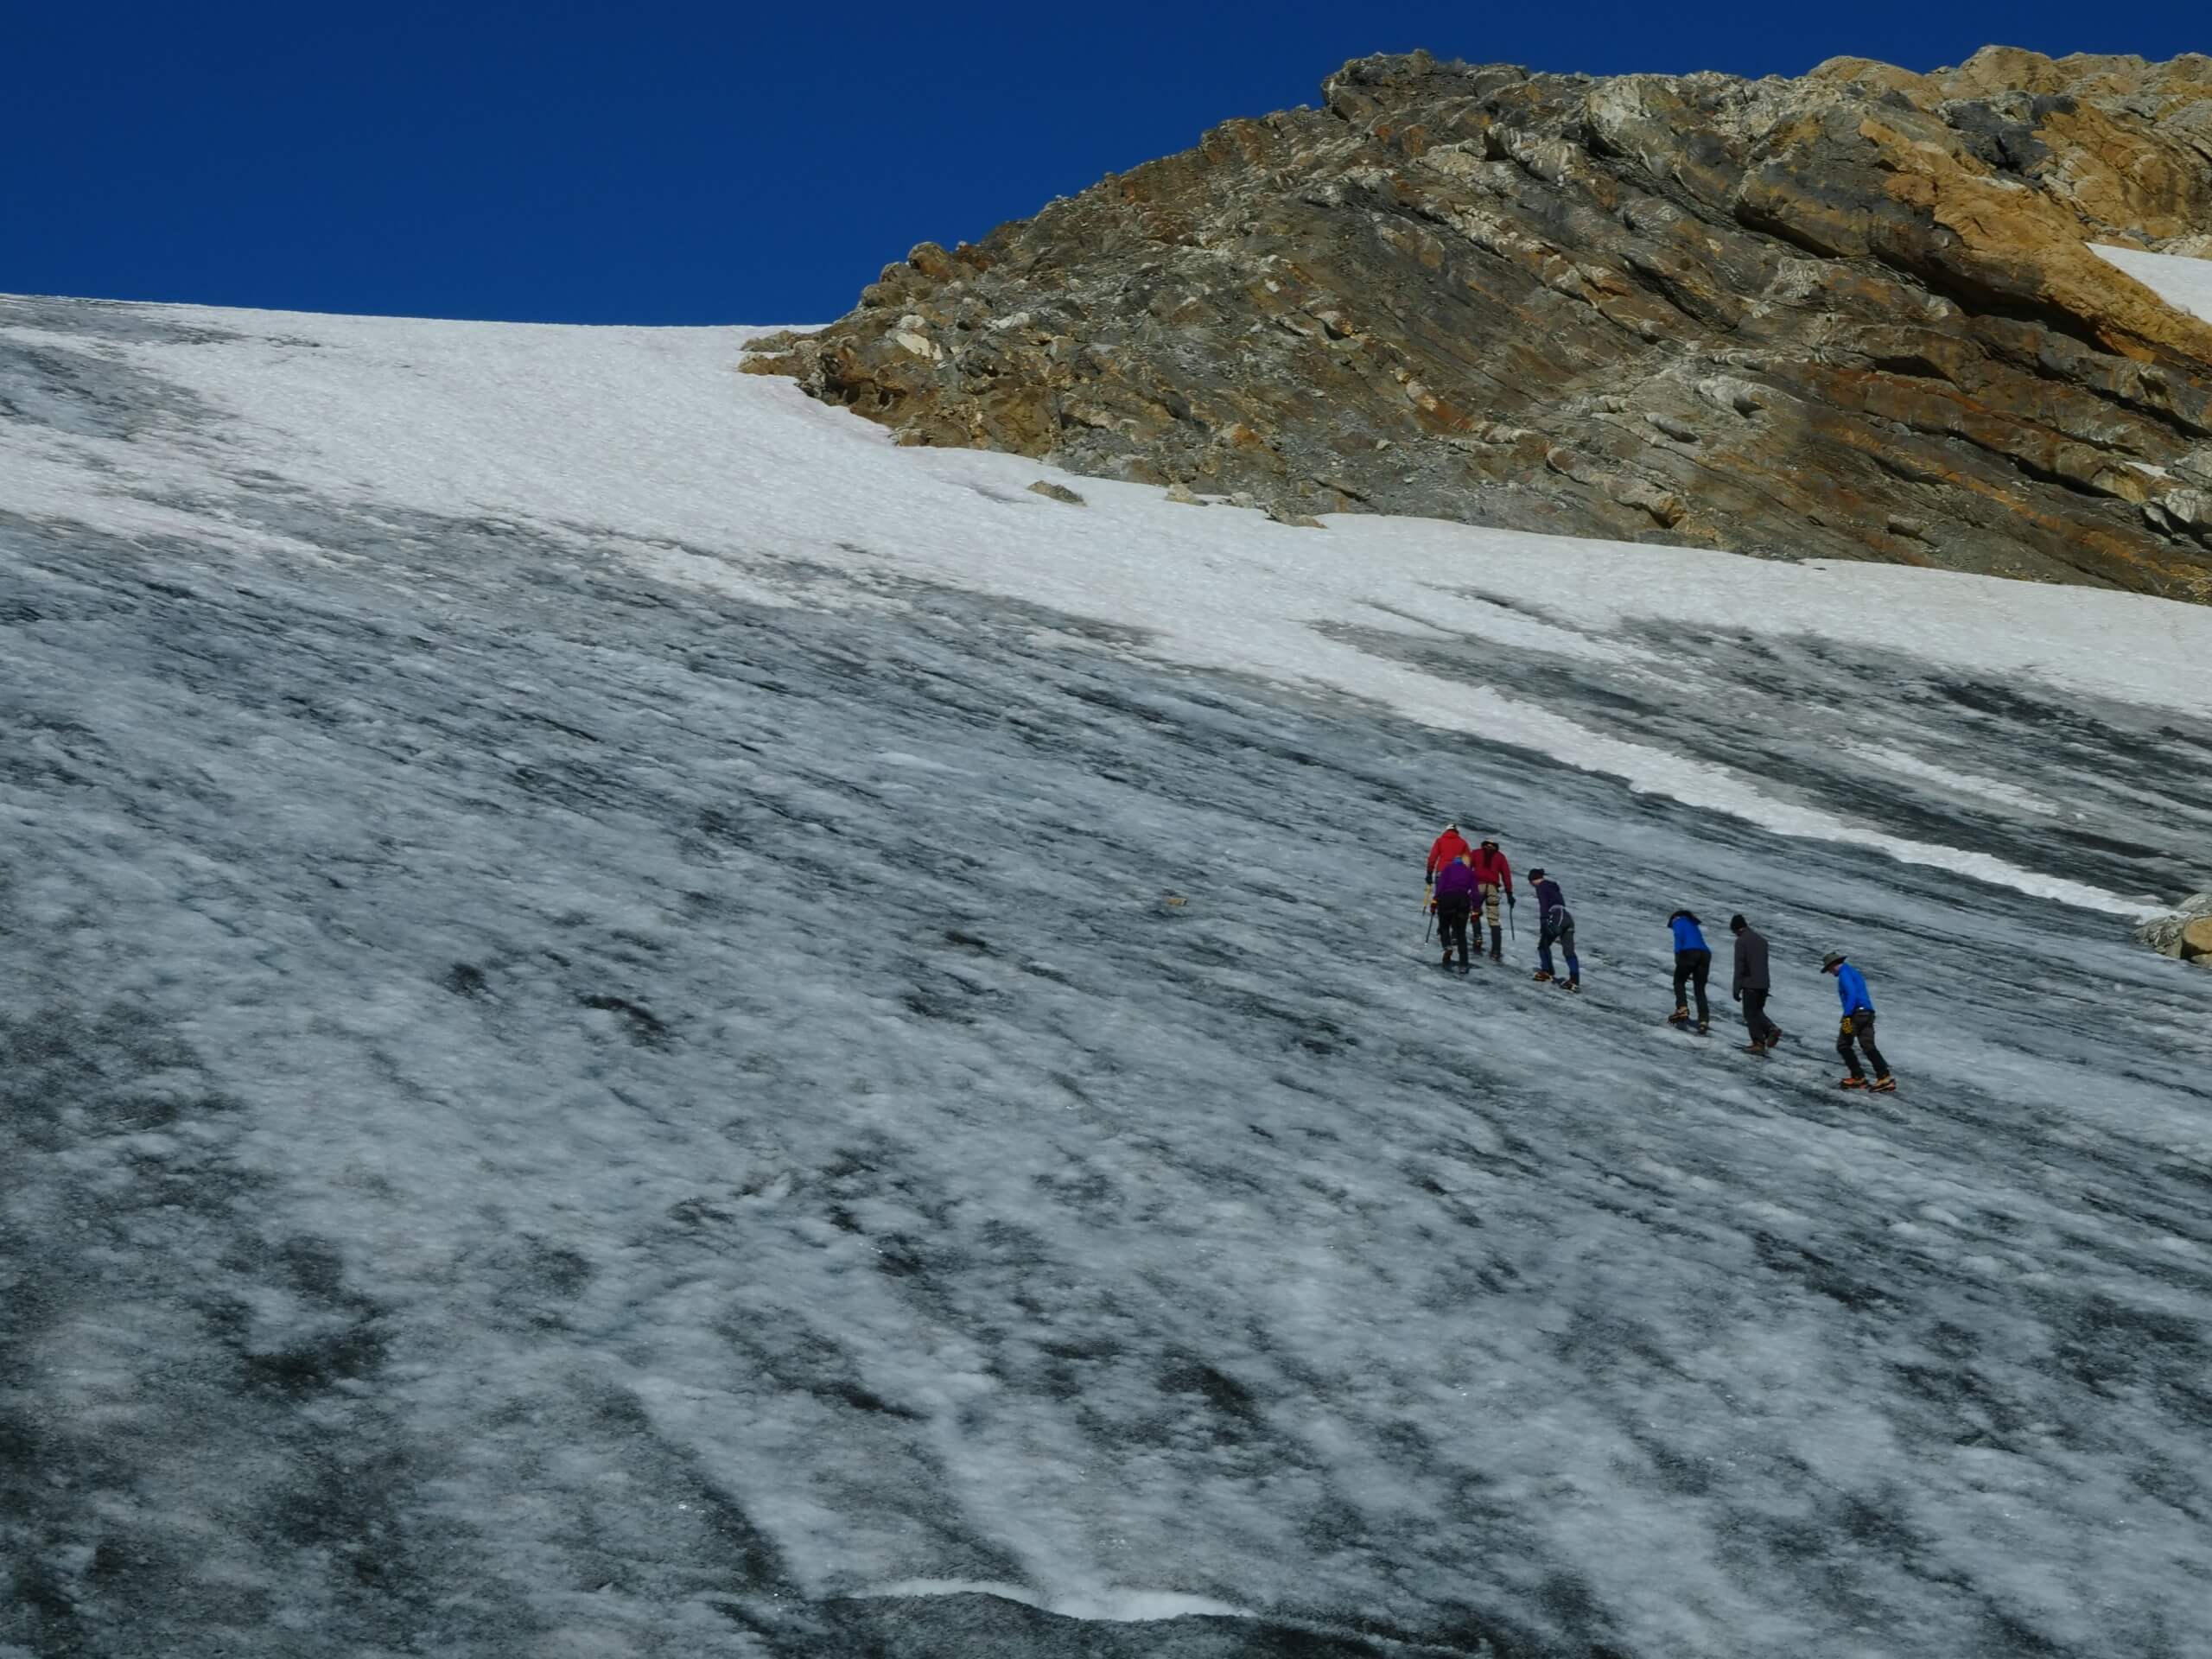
(637, 1022)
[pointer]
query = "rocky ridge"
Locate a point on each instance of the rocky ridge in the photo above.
(1854, 314)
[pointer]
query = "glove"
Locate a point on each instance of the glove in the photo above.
(1846, 1026)
(1739, 996)
(1510, 901)
(1431, 905)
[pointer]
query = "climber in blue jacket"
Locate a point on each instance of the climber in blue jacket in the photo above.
(1857, 1024)
(1693, 963)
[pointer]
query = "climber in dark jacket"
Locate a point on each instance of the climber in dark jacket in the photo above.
(1693, 963)
(1555, 924)
(1752, 984)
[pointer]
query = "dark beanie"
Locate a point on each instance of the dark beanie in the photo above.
(1736, 924)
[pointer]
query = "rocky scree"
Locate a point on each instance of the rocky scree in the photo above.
(1854, 314)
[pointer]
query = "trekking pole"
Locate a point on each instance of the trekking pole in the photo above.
(1510, 928)
(1428, 909)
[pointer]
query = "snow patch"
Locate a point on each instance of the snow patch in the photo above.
(2181, 281)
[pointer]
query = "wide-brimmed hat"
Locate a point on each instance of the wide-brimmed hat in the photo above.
(1831, 962)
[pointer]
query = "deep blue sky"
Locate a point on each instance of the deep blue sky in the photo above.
(692, 162)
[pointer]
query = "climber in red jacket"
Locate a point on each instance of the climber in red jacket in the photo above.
(1445, 848)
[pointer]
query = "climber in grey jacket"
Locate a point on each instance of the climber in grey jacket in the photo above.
(1752, 985)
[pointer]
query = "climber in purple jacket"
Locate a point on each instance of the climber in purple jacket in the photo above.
(1455, 899)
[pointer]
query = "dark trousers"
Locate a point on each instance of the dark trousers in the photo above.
(1861, 1026)
(1562, 933)
(1755, 1021)
(1452, 922)
(1691, 967)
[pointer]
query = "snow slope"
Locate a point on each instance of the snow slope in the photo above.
(642, 443)
(642, 1023)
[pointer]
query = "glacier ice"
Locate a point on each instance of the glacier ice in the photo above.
(597, 1058)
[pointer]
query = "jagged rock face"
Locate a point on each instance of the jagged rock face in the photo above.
(1853, 314)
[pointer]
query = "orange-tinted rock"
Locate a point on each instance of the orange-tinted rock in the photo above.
(2196, 939)
(1851, 315)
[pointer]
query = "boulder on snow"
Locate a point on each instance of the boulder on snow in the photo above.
(776, 339)
(1053, 491)
(2186, 932)
(771, 354)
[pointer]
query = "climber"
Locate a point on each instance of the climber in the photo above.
(1752, 984)
(1555, 924)
(1455, 895)
(1494, 875)
(1445, 848)
(1693, 961)
(1857, 1024)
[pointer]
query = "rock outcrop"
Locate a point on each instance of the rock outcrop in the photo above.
(2186, 933)
(1854, 314)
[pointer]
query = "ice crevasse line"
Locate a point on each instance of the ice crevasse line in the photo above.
(1097, 1606)
(1645, 769)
